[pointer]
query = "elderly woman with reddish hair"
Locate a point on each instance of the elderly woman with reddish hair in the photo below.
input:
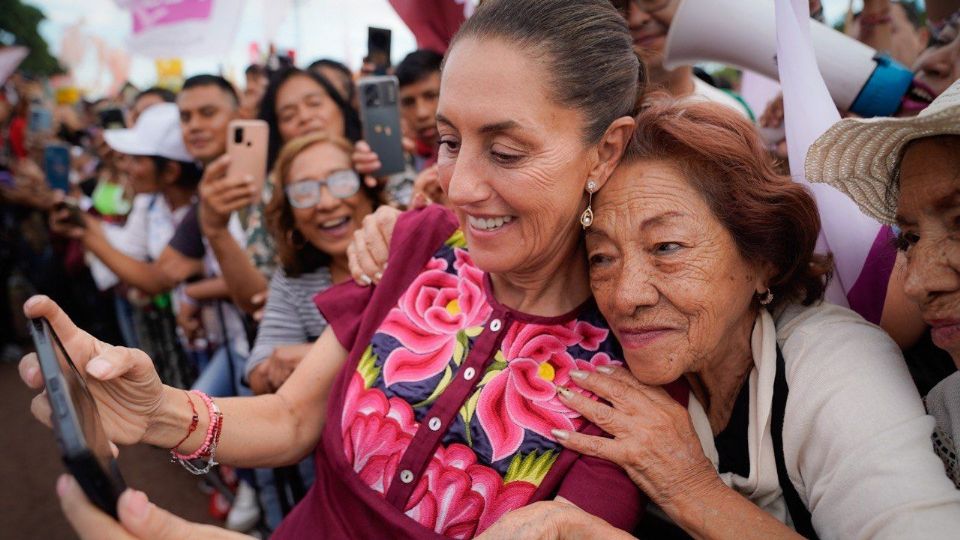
(799, 412)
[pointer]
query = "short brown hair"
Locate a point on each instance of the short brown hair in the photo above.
(771, 218)
(298, 257)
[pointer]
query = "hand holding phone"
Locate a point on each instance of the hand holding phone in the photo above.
(123, 382)
(76, 421)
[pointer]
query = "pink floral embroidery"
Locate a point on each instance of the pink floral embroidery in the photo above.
(428, 317)
(523, 396)
(376, 433)
(458, 498)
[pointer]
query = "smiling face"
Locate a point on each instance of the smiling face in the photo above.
(512, 161)
(303, 107)
(205, 112)
(928, 214)
(667, 275)
(649, 30)
(329, 225)
(938, 66)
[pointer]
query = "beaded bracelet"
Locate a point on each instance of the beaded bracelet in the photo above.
(193, 423)
(208, 449)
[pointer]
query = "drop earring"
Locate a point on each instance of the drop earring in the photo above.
(586, 219)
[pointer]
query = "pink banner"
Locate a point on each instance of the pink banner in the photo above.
(151, 14)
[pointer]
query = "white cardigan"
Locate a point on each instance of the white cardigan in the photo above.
(856, 437)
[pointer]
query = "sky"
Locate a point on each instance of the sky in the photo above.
(314, 28)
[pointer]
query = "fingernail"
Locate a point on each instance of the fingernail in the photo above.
(378, 276)
(559, 434)
(564, 391)
(98, 367)
(579, 375)
(31, 302)
(32, 373)
(64, 483)
(366, 279)
(606, 370)
(136, 502)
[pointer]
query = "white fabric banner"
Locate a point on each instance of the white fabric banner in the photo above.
(183, 28)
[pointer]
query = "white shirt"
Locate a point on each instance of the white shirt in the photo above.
(856, 438)
(148, 229)
(705, 92)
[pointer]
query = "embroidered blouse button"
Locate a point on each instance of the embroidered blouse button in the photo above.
(406, 476)
(434, 424)
(469, 373)
(495, 325)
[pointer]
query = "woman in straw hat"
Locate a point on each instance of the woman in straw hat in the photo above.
(906, 172)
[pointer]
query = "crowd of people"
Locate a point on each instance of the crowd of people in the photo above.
(592, 305)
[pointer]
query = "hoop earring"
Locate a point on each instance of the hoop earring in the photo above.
(586, 219)
(767, 298)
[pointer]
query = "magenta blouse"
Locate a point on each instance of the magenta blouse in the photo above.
(440, 421)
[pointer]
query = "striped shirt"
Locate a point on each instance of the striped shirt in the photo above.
(290, 316)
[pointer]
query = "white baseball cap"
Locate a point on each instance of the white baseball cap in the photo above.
(156, 133)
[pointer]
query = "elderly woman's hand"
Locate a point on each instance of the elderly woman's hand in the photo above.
(653, 436)
(139, 518)
(551, 520)
(367, 253)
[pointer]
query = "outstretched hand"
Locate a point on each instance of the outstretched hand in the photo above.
(123, 381)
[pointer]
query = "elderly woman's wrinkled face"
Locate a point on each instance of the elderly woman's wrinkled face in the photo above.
(512, 161)
(330, 223)
(928, 214)
(667, 274)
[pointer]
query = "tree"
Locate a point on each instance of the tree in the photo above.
(22, 22)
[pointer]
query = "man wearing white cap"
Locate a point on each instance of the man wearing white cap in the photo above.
(906, 172)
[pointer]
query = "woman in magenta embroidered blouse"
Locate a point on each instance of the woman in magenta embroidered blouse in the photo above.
(432, 396)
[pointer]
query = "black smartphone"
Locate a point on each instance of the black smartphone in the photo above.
(112, 118)
(380, 114)
(76, 422)
(75, 215)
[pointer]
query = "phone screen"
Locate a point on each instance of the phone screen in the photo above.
(91, 433)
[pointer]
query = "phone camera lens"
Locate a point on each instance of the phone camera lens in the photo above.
(238, 135)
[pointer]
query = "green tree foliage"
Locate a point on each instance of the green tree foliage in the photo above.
(22, 22)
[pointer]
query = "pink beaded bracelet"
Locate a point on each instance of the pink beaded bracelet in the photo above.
(209, 447)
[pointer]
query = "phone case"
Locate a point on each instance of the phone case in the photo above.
(380, 113)
(247, 147)
(102, 486)
(56, 166)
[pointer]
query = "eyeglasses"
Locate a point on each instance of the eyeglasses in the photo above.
(306, 193)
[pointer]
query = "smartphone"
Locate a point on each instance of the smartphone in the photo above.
(247, 147)
(75, 216)
(378, 48)
(76, 422)
(112, 118)
(56, 166)
(380, 114)
(40, 120)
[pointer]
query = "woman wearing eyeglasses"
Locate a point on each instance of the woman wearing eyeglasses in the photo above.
(312, 216)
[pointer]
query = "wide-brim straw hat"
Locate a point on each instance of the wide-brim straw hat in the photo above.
(860, 156)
